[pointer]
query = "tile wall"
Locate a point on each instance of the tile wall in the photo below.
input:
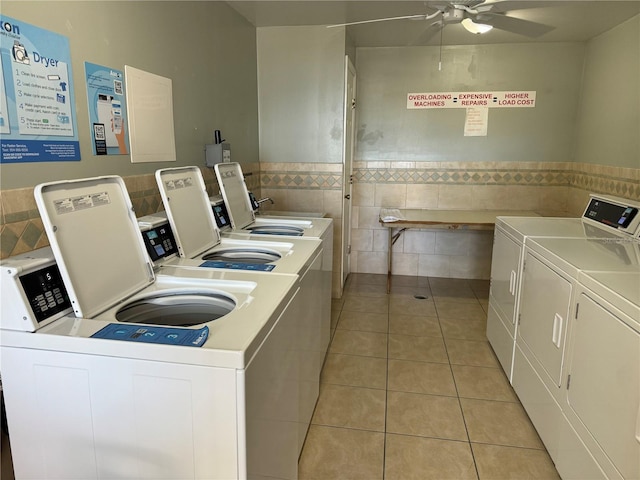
(307, 187)
(21, 228)
(547, 188)
(554, 189)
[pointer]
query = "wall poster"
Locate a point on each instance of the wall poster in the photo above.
(37, 117)
(107, 110)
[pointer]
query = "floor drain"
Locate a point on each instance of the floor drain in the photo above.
(420, 297)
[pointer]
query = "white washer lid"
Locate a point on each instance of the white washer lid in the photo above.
(188, 208)
(235, 194)
(95, 239)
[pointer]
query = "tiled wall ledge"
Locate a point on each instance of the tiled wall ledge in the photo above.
(21, 228)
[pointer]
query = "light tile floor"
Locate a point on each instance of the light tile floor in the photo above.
(411, 389)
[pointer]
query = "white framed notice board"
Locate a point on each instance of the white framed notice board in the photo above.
(150, 107)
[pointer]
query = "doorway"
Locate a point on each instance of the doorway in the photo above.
(347, 159)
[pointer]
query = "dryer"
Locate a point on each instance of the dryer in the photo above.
(186, 374)
(602, 435)
(199, 244)
(548, 316)
(600, 219)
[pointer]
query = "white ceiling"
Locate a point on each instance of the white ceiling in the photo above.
(574, 20)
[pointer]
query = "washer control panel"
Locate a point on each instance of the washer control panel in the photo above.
(33, 292)
(220, 214)
(160, 241)
(45, 292)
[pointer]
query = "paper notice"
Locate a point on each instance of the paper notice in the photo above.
(476, 121)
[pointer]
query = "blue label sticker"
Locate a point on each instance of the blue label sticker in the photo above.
(239, 266)
(154, 334)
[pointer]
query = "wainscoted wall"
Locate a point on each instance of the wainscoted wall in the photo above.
(307, 187)
(553, 189)
(22, 229)
(548, 188)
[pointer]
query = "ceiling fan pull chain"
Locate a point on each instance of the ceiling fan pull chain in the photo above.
(440, 60)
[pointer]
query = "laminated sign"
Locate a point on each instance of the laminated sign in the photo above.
(37, 105)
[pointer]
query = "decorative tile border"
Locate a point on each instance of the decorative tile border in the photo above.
(302, 180)
(622, 182)
(463, 177)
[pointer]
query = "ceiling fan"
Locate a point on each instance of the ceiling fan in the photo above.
(473, 14)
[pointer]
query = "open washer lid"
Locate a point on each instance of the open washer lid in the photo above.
(95, 239)
(188, 208)
(235, 194)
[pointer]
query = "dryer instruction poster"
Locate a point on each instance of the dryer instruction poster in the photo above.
(37, 116)
(107, 110)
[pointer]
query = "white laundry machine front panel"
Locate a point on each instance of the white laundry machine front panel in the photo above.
(501, 319)
(604, 388)
(89, 416)
(545, 306)
(602, 402)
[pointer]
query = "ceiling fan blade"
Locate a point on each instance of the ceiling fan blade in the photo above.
(513, 24)
(428, 33)
(502, 6)
(411, 17)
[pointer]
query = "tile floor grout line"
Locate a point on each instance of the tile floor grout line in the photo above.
(543, 449)
(455, 384)
(386, 392)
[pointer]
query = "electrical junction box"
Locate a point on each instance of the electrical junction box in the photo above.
(217, 153)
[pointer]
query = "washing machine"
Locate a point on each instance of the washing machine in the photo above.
(548, 316)
(197, 239)
(198, 244)
(187, 374)
(309, 227)
(600, 219)
(242, 215)
(241, 218)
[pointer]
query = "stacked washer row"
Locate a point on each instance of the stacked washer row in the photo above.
(564, 322)
(114, 369)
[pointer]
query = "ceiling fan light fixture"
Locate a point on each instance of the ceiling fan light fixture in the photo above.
(476, 28)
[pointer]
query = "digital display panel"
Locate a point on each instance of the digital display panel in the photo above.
(221, 215)
(160, 242)
(46, 292)
(610, 214)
